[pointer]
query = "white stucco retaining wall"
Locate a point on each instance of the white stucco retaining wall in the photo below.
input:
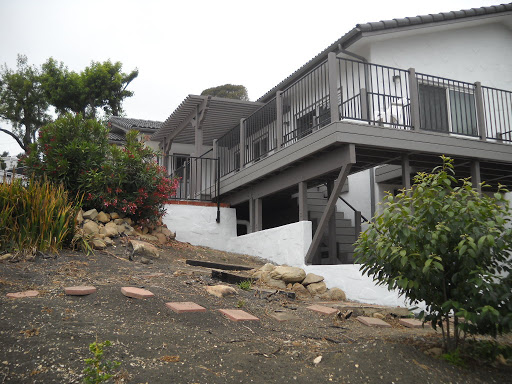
(287, 244)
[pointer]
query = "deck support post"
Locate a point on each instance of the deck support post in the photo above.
(303, 201)
(406, 172)
(357, 223)
(329, 210)
(414, 100)
(279, 120)
(332, 63)
(252, 224)
(258, 214)
(332, 244)
(475, 176)
(480, 118)
(242, 144)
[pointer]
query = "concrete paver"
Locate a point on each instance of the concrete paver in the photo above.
(81, 290)
(185, 306)
(136, 293)
(238, 315)
(322, 309)
(373, 322)
(19, 295)
(411, 323)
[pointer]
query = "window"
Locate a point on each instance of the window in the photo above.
(445, 109)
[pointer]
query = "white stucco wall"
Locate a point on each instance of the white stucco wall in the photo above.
(197, 225)
(461, 52)
(358, 195)
(287, 244)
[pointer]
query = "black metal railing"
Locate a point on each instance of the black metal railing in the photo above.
(447, 105)
(228, 147)
(374, 93)
(198, 178)
(306, 105)
(497, 105)
(260, 132)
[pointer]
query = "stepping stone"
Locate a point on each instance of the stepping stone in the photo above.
(411, 323)
(81, 290)
(20, 295)
(283, 316)
(322, 309)
(136, 293)
(373, 322)
(185, 306)
(238, 315)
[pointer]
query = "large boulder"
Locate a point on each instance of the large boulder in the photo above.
(168, 233)
(288, 274)
(142, 249)
(91, 228)
(110, 230)
(317, 288)
(300, 290)
(90, 214)
(98, 244)
(103, 217)
(312, 278)
(335, 294)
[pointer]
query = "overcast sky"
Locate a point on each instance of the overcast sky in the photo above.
(183, 47)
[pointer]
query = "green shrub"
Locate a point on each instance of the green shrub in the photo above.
(75, 151)
(443, 243)
(97, 369)
(36, 216)
(67, 149)
(129, 181)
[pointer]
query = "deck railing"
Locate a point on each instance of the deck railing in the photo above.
(372, 94)
(198, 178)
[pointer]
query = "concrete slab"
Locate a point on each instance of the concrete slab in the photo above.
(411, 323)
(322, 309)
(373, 322)
(238, 315)
(136, 293)
(81, 290)
(185, 306)
(20, 295)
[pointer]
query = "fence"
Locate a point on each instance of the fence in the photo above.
(198, 178)
(497, 105)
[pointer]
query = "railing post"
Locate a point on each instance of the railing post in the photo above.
(332, 63)
(242, 144)
(480, 117)
(414, 100)
(364, 104)
(215, 165)
(279, 120)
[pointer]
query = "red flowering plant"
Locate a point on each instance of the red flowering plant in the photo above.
(130, 182)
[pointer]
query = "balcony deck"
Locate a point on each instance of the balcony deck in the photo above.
(319, 156)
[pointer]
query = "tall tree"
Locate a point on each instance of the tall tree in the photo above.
(101, 85)
(229, 91)
(22, 101)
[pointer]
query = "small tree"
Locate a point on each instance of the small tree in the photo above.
(444, 244)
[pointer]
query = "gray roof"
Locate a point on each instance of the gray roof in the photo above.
(126, 124)
(367, 28)
(220, 115)
(115, 138)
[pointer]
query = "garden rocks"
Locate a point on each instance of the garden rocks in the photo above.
(221, 290)
(288, 274)
(295, 279)
(106, 226)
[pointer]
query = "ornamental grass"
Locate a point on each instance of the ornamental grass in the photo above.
(35, 215)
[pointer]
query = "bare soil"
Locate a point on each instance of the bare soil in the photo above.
(45, 339)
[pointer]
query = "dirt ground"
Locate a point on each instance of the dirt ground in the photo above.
(45, 339)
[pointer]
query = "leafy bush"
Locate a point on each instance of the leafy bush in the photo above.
(129, 181)
(75, 151)
(67, 148)
(443, 243)
(37, 216)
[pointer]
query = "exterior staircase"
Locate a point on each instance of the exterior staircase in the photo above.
(345, 231)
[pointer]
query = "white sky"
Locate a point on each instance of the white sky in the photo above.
(183, 47)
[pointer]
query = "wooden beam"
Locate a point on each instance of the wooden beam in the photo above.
(332, 244)
(328, 212)
(406, 172)
(476, 179)
(303, 201)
